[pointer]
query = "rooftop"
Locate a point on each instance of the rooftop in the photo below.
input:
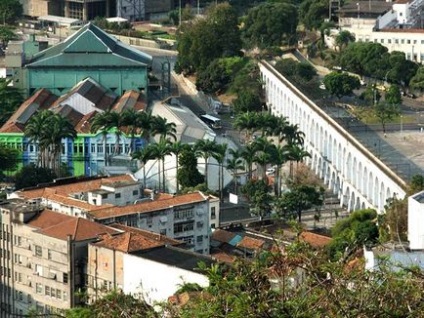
(368, 8)
(61, 226)
(177, 257)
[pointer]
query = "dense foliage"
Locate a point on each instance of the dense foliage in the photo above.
(32, 175)
(8, 159)
(340, 84)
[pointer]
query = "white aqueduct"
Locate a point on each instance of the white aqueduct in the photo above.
(359, 178)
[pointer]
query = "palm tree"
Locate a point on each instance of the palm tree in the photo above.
(145, 123)
(59, 128)
(35, 130)
(176, 148)
(279, 156)
(160, 151)
(296, 153)
(129, 119)
(280, 128)
(234, 164)
(247, 122)
(248, 154)
(267, 123)
(116, 123)
(205, 149)
(262, 155)
(144, 155)
(101, 122)
(343, 39)
(293, 135)
(164, 129)
(219, 155)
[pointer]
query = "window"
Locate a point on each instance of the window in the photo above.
(396, 41)
(199, 239)
(99, 148)
(49, 254)
(117, 195)
(65, 278)
(93, 148)
(38, 288)
(184, 214)
(183, 227)
(104, 195)
(162, 232)
(402, 41)
(389, 41)
(58, 294)
(135, 192)
(415, 41)
(422, 41)
(213, 213)
(65, 296)
(47, 291)
(408, 41)
(38, 251)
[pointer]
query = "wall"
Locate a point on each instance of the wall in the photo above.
(155, 282)
(359, 179)
(415, 222)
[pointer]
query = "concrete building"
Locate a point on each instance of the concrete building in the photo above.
(396, 25)
(89, 153)
(144, 264)
(188, 217)
(90, 52)
(43, 258)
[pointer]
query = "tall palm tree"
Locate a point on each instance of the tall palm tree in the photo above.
(116, 123)
(279, 156)
(219, 155)
(163, 128)
(234, 164)
(279, 129)
(267, 123)
(145, 122)
(144, 155)
(247, 122)
(129, 119)
(248, 154)
(160, 151)
(101, 123)
(296, 153)
(59, 128)
(35, 130)
(205, 149)
(176, 148)
(293, 135)
(263, 154)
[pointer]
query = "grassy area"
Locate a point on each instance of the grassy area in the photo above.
(367, 116)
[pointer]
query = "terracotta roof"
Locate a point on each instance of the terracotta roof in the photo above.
(42, 99)
(69, 113)
(222, 236)
(315, 240)
(251, 243)
(150, 206)
(65, 200)
(59, 226)
(130, 100)
(84, 125)
(223, 257)
(76, 187)
(148, 234)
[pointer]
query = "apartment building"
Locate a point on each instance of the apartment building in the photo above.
(144, 264)
(43, 258)
(188, 217)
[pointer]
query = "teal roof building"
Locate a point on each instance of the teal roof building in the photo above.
(90, 52)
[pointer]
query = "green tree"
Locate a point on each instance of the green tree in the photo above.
(188, 175)
(305, 71)
(164, 129)
(32, 175)
(343, 39)
(417, 184)
(371, 95)
(393, 224)
(234, 164)
(10, 11)
(247, 101)
(144, 155)
(352, 233)
(10, 99)
(386, 112)
(177, 148)
(278, 26)
(8, 159)
(114, 305)
(247, 79)
(417, 81)
(401, 69)
(102, 123)
(301, 72)
(292, 203)
(219, 156)
(6, 35)
(393, 95)
(257, 192)
(160, 150)
(312, 13)
(341, 84)
(206, 149)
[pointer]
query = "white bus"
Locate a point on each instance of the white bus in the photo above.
(212, 122)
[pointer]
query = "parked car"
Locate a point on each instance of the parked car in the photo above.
(411, 95)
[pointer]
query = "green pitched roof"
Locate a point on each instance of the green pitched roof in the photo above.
(92, 47)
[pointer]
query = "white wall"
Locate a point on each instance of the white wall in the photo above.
(416, 222)
(155, 282)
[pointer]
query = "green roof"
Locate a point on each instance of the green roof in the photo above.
(90, 47)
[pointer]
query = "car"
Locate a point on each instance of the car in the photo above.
(322, 86)
(411, 95)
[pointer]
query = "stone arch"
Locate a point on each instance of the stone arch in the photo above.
(349, 168)
(362, 205)
(354, 173)
(339, 158)
(382, 200)
(365, 182)
(345, 198)
(357, 204)
(370, 191)
(332, 182)
(376, 191)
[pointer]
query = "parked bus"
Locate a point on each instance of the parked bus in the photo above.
(212, 122)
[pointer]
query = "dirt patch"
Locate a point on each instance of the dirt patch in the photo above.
(227, 99)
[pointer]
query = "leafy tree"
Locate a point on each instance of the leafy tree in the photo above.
(144, 155)
(114, 305)
(6, 35)
(353, 232)
(305, 71)
(417, 81)
(188, 174)
(32, 175)
(163, 128)
(312, 13)
(8, 159)
(10, 99)
(386, 112)
(279, 25)
(257, 192)
(401, 69)
(371, 95)
(202, 41)
(205, 148)
(234, 164)
(10, 11)
(248, 79)
(287, 67)
(302, 71)
(393, 224)
(343, 39)
(247, 102)
(393, 95)
(291, 204)
(341, 84)
(417, 184)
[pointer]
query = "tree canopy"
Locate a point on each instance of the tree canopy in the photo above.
(341, 84)
(269, 24)
(10, 11)
(10, 99)
(32, 175)
(8, 158)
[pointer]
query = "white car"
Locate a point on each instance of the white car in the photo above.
(322, 86)
(270, 171)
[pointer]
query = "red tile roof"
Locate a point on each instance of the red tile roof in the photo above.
(315, 240)
(251, 243)
(130, 100)
(84, 125)
(60, 226)
(222, 236)
(150, 206)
